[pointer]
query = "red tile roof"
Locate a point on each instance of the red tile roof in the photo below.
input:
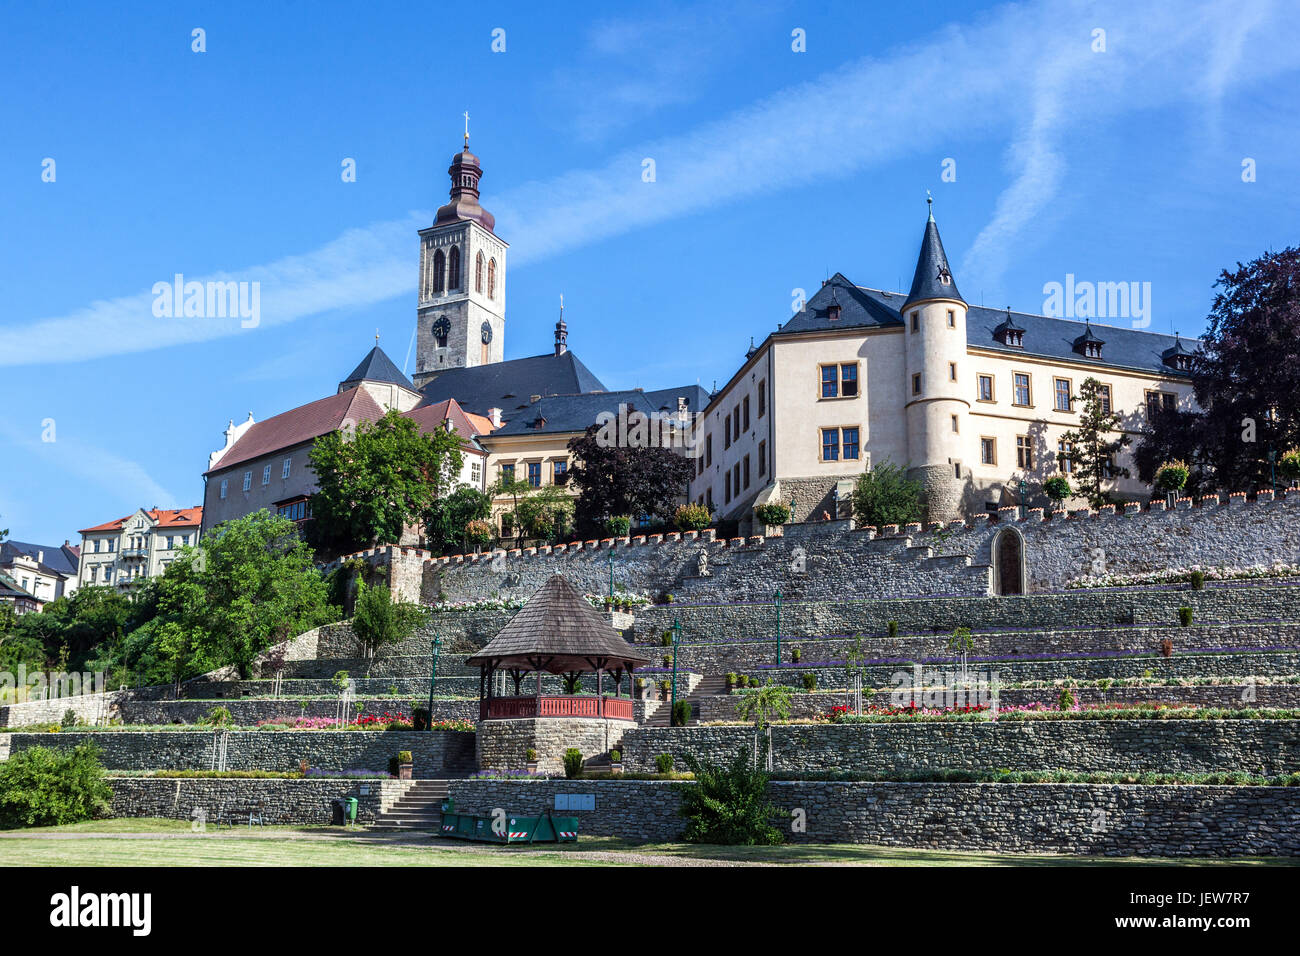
(467, 425)
(166, 518)
(301, 424)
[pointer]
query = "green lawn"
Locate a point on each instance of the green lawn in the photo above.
(142, 842)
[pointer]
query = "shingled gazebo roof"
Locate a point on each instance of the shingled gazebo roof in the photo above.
(558, 631)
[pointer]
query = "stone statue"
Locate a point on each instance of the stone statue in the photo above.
(702, 564)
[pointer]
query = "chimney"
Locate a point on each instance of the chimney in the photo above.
(681, 404)
(534, 398)
(561, 337)
(40, 557)
(494, 416)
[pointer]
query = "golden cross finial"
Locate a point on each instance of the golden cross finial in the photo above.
(467, 129)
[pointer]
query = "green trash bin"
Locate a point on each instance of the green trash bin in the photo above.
(351, 809)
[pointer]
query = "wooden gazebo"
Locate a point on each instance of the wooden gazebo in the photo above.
(556, 632)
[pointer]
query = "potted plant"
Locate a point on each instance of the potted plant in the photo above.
(668, 660)
(772, 515)
(616, 762)
(404, 765)
(530, 758)
(640, 687)
(1171, 477)
(796, 654)
(609, 603)
(665, 689)
(731, 681)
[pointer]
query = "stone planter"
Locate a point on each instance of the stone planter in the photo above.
(531, 766)
(616, 768)
(404, 771)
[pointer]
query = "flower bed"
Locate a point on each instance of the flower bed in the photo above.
(1155, 710)
(1181, 575)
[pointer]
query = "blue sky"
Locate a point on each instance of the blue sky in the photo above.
(774, 168)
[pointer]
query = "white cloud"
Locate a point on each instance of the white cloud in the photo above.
(1025, 72)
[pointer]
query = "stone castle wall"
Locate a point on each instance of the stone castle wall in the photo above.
(280, 802)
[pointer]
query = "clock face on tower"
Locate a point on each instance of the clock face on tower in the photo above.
(441, 329)
(487, 333)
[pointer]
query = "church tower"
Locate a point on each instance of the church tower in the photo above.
(937, 392)
(461, 311)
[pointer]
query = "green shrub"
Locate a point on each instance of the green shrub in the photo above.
(1057, 488)
(69, 718)
(664, 763)
(1171, 476)
(531, 754)
(731, 680)
(885, 495)
(810, 682)
(691, 518)
(729, 805)
(1065, 699)
(618, 526)
(403, 756)
(217, 717)
(1185, 616)
(796, 653)
(573, 763)
(773, 513)
(616, 756)
(892, 628)
(45, 787)
(668, 660)
(1198, 580)
(666, 639)
(681, 713)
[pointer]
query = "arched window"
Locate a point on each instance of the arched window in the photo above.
(478, 273)
(453, 269)
(492, 278)
(438, 266)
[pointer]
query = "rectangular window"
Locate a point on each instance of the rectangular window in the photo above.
(288, 464)
(762, 397)
(762, 458)
(507, 524)
(1021, 394)
(952, 319)
(1103, 396)
(952, 371)
(830, 382)
(1024, 453)
(225, 483)
(708, 497)
(916, 321)
(735, 479)
(727, 483)
(849, 444)
(708, 451)
(476, 471)
(726, 435)
(735, 423)
(916, 384)
(508, 472)
(830, 444)
(1062, 389)
(985, 391)
(248, 480)
(988, 451)
(954, 423)
(561, 471)
(1063, 461)
(535, 474)
(745, 472)
(745, 409)
(266, 475)
(97, 540)
(169, 543)
(112, 545)
(849, 380)
(1160, 401)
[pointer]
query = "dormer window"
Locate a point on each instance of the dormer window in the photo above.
(1088, 345)
(944, 276)
(1009, 333)
(1178, 357)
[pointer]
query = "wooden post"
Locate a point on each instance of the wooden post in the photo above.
(600, 698)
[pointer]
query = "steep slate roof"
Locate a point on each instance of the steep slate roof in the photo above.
(697, 398)
(556, 630)
(57, 559)
(377, 367)
(571, 413)
(931, 263)
(859, 308)
(508, 385)
(301, 424)
(165, 518)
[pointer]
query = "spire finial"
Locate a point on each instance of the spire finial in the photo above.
(561, 306)
(467, 130)
(929, 204)
(376, 337)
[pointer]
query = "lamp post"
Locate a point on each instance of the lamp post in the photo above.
(677, 638)
(610, 555)
(1022, 498)
(792, 503)
(1272, 471)
(778, 627)
(433, 675)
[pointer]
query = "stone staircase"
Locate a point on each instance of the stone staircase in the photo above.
(418, 808)
(710, 685)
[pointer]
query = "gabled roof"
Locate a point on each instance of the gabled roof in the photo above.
(556, 630)
(58, 559)
(508, 385)
(377, 367)
(467, 427)
(301, 424)
(932, 279)
(163, 518)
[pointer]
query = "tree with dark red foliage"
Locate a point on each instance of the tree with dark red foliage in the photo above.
(1246, 381)
(615, 480)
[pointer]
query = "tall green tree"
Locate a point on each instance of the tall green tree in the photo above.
(450, 515)
(378, 619)
(615, 480)
(1095, 444)
(885, 495)
(375, 482)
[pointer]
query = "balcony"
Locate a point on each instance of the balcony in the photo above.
(505, 708)
(134, 553)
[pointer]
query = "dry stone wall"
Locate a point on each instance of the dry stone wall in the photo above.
(280, 802)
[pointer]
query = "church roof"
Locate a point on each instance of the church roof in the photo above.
(555, 630)
(299, 425)
(932, 279)
(377, 367)
(509, 385)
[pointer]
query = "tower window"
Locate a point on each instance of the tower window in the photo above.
(952, 371)
(954, 423)
(453, 269)
(478, 272)
(439, 265)
(492, 278)
(916, 383)
(916, 321)
(762, 397)
(952, 319)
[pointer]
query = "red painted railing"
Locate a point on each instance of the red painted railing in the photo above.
(504, 708)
